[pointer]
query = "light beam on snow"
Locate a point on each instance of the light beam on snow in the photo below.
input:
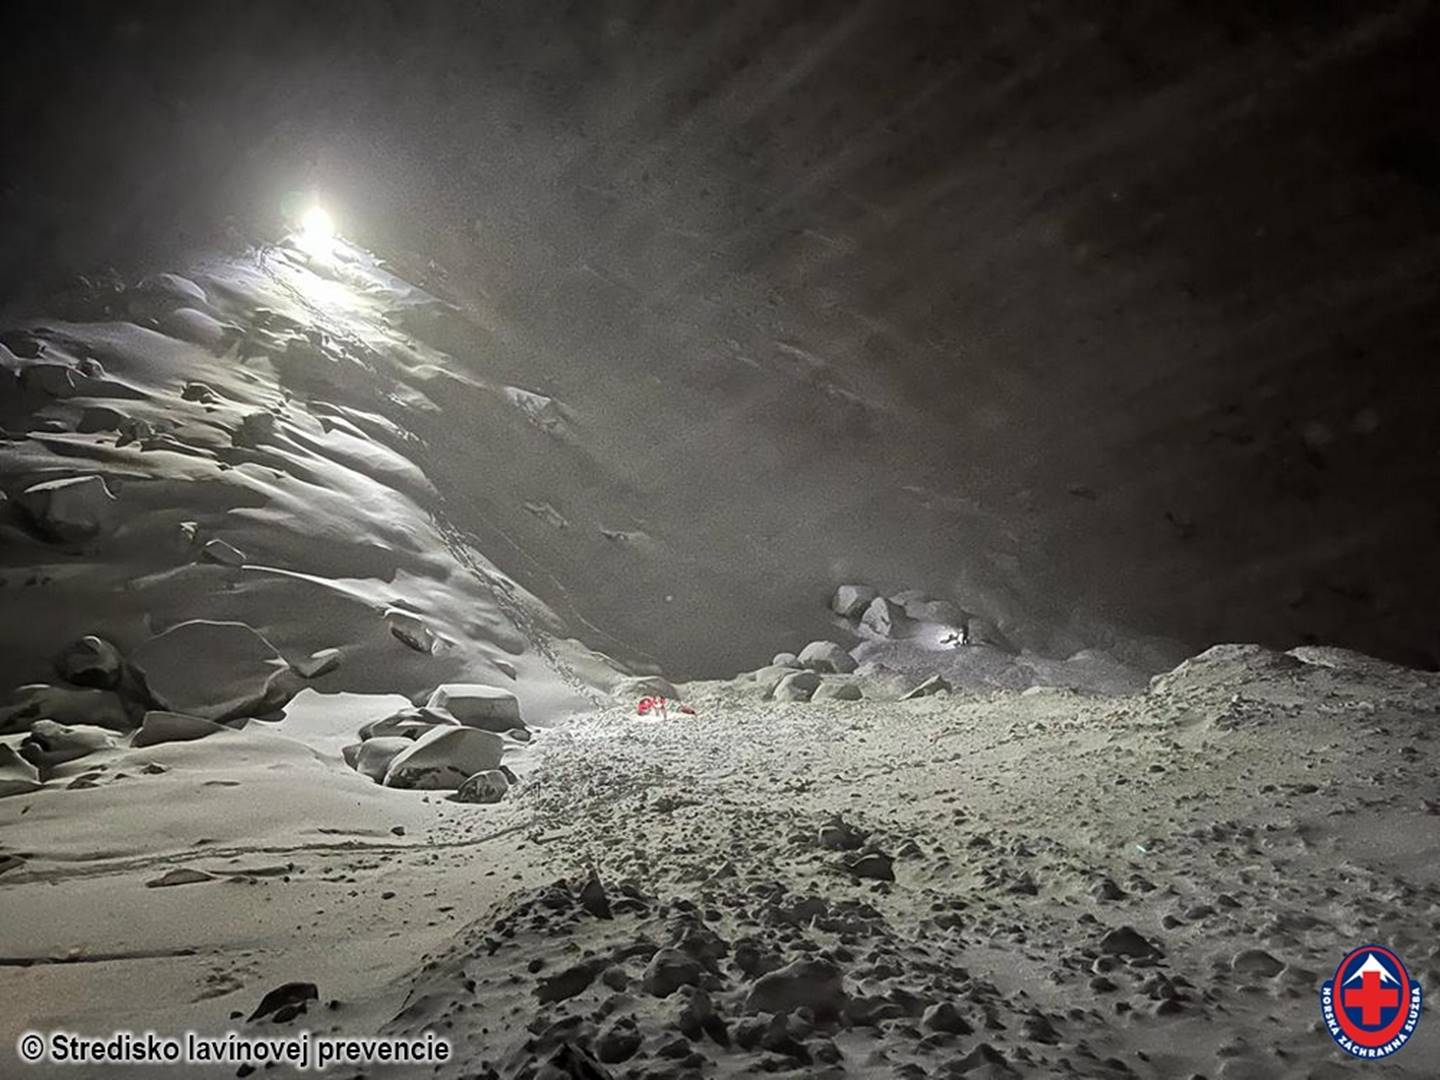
(317, 232)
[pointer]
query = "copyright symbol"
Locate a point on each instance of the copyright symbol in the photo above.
(31, 1047)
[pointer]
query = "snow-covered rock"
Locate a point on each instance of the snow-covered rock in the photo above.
(50, 744)
(797, 686)
(985, 631)
(222, 552)
(17, 776)
(321, 662)
(196, 327)
(933, 685)
(91, 661)
(442, 760)
(410, 629)
(852, 600)
(767, 678)
(168, 290)
(908, 596)
(70, 510)
(813, 982)
(65, 705)
(882, 617)
(837, 691)
(669, 970)
(254, 429)
(477, 705)
(374, 756)
(164, 727)
(826, 657)
(407, 723)
(489, 786)
(49, 379)
(214, 670)
(542, 411)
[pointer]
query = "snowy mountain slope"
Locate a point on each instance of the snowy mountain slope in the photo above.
(240, 442)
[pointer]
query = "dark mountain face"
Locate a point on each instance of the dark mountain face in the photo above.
(1129, 312)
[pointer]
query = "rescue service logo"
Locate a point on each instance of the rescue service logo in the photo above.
(1371, 1006)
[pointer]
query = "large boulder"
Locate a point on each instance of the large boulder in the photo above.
(17, 776)
(50, 744)
(214, 670)
(851, 600)
(669, 970)
(374, 757)
(71, 510)
(444, 759)
(91, 661)
(164, 727)
(479, 706)
(797, 686)
(489, 786)
(883, 618)
(827, 658)
(65, 705)
(835, 690)
(812, 982)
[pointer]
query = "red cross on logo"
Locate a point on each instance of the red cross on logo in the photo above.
(1370, 997)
